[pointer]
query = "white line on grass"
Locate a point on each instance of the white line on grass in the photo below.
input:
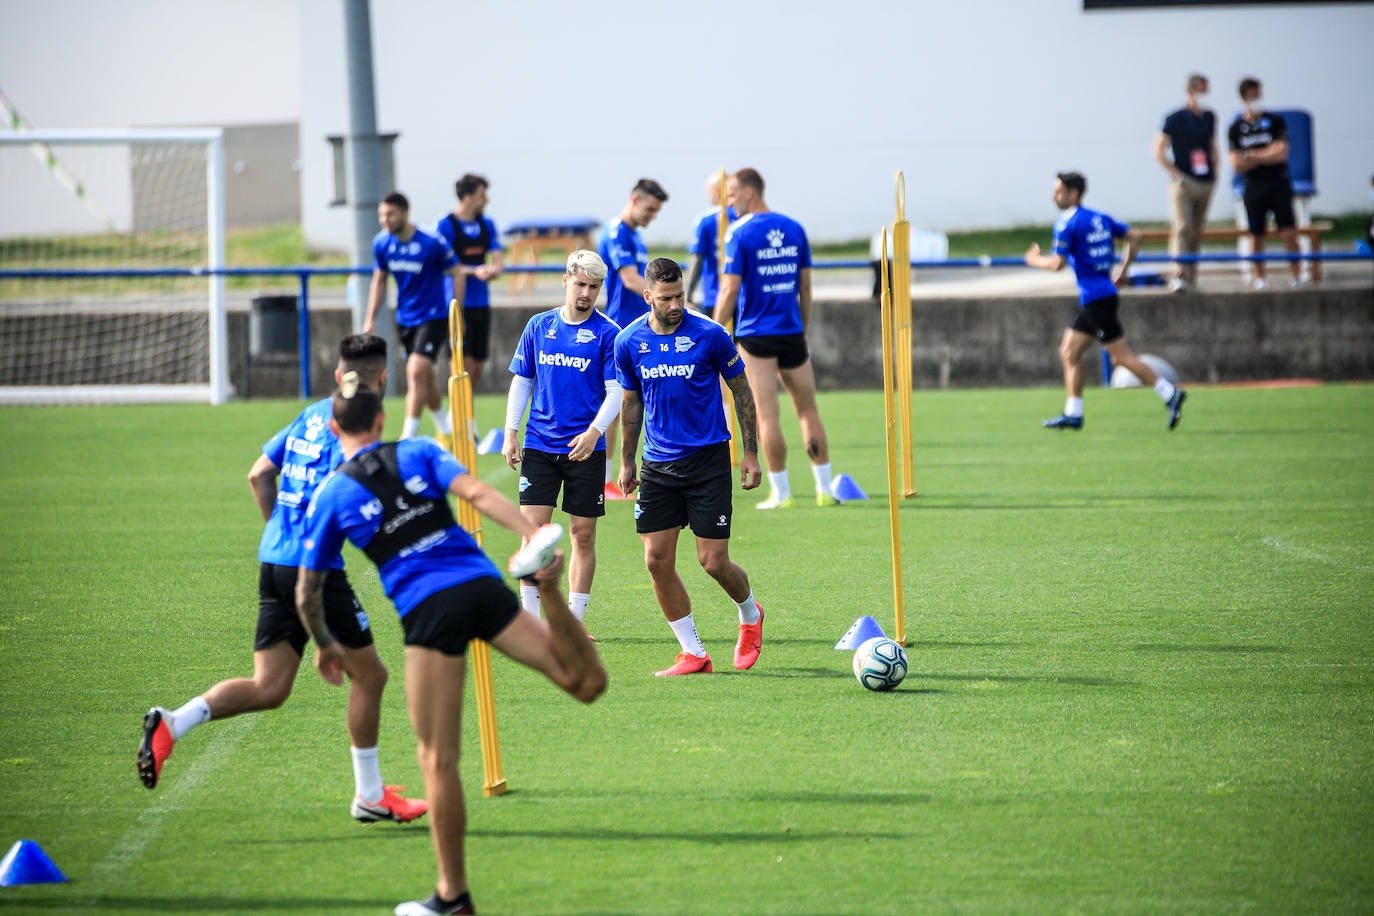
(129, 848)
(1275, 542)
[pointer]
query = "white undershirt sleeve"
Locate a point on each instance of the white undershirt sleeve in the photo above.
(517, 400)
(610, 407)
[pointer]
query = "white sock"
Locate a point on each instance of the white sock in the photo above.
(748, 610)
(194, 712)
(779, 484)
(686, 632)
(367, 775)
(410, 427)
(1073, 407)
(529, 599)
(1165, 388)
(472, 429)
(822, 474)
(441, 421)
(577, 603)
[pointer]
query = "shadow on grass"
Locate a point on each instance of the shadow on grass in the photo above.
(1208, 647)
(205, 903)
(1072, 680)
(603, 834)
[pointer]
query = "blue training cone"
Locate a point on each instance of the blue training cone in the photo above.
(491, 443)
(843, 488)
(27, 863)
(864, 629)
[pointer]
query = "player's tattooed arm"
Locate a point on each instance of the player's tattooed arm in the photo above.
(747, 413)
(631, 425)
(310, 605)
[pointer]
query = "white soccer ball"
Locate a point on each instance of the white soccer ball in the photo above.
(880, 663)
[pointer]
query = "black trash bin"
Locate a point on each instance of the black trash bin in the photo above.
(272, 326)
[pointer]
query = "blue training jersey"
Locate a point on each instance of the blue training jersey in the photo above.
(468, 246)
(570, 365)
(677, 375)
(343, 509)
(621, 246)
(419, 266)
(768, 252)
(703, 245)
(306, 451)
(1087, 239)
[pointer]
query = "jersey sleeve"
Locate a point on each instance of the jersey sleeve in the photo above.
(804, 251)
(699, 242)
(1233, 135)
(324, 536)
(1279, 129)
(379, 252)
(726, 357)
(492, 234)
(732, 257)
(522, 362)
(608, 372)
(275, 448)
(443, 230)
(624, 365)
(445, 467)
(1119, 229)
(447, 258)
(621, 249)
(1063, 244)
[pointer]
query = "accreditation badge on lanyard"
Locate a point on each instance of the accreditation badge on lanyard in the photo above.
(1199, 162)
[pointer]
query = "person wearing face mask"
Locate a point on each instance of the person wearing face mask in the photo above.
(1187, 149)
(1258, 143)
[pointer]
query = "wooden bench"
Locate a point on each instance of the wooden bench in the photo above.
(532, 237)
(1312, 234)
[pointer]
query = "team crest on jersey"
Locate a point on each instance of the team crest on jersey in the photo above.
(775, 238)
(584, 336)
(314, 425)
(413, 248)
(682, 343)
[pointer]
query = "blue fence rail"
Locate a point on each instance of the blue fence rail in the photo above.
(303, 275)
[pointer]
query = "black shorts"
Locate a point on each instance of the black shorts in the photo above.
(1266, 198)
(278, 620)
(450, 619)
(694, 490)
(427, 339)
(542, 474)
(1099, 319)
(788, 349)
(477, 333)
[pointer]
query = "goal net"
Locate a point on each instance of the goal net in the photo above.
(105, 238)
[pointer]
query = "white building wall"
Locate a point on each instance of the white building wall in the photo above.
(563, 106)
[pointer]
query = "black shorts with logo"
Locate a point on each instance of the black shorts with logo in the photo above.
(450, 619)
(278, 619)
(788, 349)
(694, 490)
(1099, 319)
(583, 483)
(427, 339)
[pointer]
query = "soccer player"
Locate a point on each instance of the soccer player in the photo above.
(622, 248)
(766, 291)
(390, 500)
(566, 361)
(1086, 240)
(300, 455)
(671, 362)
(704, 248)
(419, 262)
(473, 237)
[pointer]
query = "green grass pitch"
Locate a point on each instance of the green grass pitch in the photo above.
(1142, 680)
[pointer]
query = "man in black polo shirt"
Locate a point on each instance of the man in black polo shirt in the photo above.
(1259, 152)
(1189, 136)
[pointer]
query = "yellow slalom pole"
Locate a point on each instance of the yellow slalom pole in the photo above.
(902, 313)
(890, 430)
(479, 653)
(722, 224)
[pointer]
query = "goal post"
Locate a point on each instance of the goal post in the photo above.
(111, 252)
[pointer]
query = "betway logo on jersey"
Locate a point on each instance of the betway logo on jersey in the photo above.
(667, 371)
(397, 266)
(580, 363)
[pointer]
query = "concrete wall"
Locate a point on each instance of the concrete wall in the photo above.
(966, 343)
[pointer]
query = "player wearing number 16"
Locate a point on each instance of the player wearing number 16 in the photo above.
(390, 501)
(670, 363)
